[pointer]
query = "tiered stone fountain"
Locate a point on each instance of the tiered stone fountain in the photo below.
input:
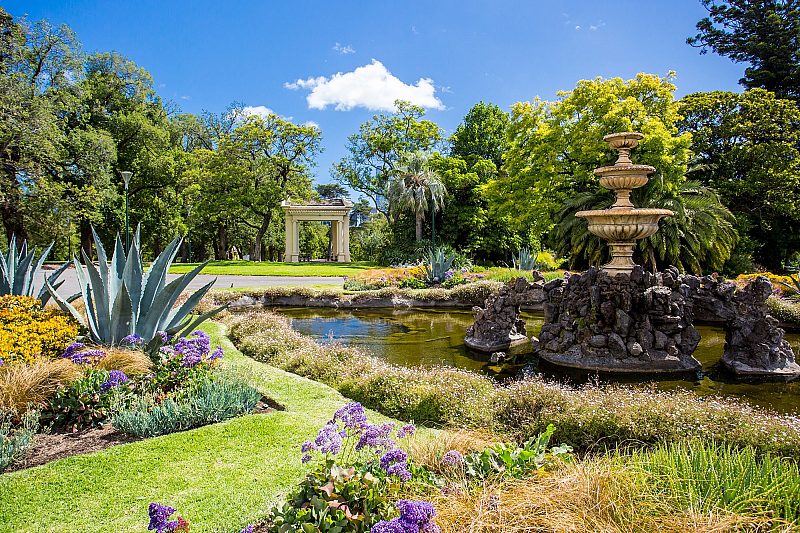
(622, 225)
(622, 319)
(619, 318)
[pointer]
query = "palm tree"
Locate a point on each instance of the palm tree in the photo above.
(701, 234)
(415, 188)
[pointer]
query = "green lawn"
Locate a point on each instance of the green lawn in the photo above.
(219, 477)
(253, 268)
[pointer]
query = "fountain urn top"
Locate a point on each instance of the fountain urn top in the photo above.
(622, 224)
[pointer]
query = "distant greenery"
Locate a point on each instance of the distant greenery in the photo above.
(253, 268)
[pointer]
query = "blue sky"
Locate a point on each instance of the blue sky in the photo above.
(447, 55)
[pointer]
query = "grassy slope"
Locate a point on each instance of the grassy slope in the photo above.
(252, 268)
(219, 477)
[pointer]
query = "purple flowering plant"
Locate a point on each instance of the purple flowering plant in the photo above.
(350, 439)
(357, 473)
(183, 362)
(160, 519)
(415, 517)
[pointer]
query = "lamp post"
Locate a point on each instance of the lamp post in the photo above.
(126, 176)
(189, 231)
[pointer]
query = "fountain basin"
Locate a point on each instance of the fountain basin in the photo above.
(617, 225)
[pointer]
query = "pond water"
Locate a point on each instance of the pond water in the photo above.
(414, 337)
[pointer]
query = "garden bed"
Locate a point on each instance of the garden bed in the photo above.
(49, 447)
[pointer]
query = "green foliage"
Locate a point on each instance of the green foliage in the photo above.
(314, 239)
(16, 438)
(122, 299)
(481, 135)
(18, 268)
(82, 404)
(700, 236)
(705, 476)
(375, 150)
(368, 241)
(747, 148)
(209, 401)
(762, 34)
(336, 499)
(439, 262)
(511, 460)
(784, 310)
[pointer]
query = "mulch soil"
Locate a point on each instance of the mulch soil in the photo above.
(52, 446)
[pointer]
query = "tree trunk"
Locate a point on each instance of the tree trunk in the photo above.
(11, 205)
(221, 243)
(86, 238)
(419, 226)
(258, 249)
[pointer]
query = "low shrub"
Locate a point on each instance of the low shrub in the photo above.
(87, 402)
(27, 331)
(784, 309)
(16, 438)
(705, 477)
(23, 386)
(207, 402)
(357, 474)
(586, 417)
(580, 497)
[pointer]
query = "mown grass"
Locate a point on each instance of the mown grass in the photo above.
(267, 268)
(220, 477)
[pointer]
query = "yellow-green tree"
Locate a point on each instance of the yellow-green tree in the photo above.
(555, 145)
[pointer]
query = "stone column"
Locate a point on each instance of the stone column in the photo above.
(334, 239)
(287, 252)
(345, 250)
(295, 240)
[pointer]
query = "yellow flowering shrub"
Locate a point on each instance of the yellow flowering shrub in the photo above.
(776, 279)
(28, 332)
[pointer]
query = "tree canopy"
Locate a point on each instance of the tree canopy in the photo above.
(765, 34)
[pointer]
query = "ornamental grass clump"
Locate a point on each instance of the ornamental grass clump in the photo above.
(704, 477)
(25, 386)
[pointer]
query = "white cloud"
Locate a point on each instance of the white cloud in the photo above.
(344, 49)
(312, 124)
(185, 97)
(259, 110)
(371, 86)
(577, 28)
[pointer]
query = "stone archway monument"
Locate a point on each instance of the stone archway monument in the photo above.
(336, 211)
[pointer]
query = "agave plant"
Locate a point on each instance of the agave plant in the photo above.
(526, 260)
(19, 267)
(122, 299)
(438, 263)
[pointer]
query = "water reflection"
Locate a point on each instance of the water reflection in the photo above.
(434, 337)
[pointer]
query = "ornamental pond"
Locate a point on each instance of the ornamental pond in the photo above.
(427, 337)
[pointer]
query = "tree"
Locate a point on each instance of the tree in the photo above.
(376, 148)
(762, 33)
(267, 160)
(747, 147)
(555, 146)
(331, 191)
(481, 135)
(415, 188)
(36, 63)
